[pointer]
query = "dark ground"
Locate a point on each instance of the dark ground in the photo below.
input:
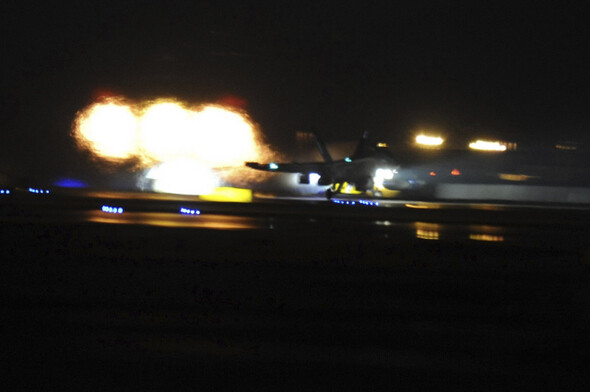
(316, 304)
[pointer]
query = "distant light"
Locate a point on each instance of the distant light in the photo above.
(355, 202)
(70, 183)
(189, 211)
(427, 234)
(455, 172)
(273, 166)
(484, 145)
(112, 210)
(383, 223)
(38, 191)
(369, 203)
(565, 147)
(4, 191)
(432, 173)
(486, 237)
(429, 141)
(514, 177)
(427, 231)
(423, 206)
(382, 145)
(347, 159)
(228, 194)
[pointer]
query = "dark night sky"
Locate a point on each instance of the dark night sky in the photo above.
(513, 71)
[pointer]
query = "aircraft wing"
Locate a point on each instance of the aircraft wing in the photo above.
(303, 168)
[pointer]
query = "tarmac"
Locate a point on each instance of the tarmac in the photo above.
(293, 294)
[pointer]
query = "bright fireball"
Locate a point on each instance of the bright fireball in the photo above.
(168, 130)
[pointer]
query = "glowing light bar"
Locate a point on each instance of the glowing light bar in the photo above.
(486, 237)
(38, 191)
(427, 234)
(355, 202)
(369, 203)
(514, 177)
(487, 146)
(427, 231)
(565, 147)
(70, 183)
(431, 141)
(189, 211)
(112, 210)
(344, 202)
(273, 166)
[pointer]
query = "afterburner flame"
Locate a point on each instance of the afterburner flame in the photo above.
(166, 130)
(183, 176)
(108, 129)
(230, 132)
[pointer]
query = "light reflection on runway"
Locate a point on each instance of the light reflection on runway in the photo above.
(391, 219)
(166, 219)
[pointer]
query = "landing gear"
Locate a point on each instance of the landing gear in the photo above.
(333, 190)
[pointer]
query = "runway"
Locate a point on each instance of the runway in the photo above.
(445, 220)
(281, 293)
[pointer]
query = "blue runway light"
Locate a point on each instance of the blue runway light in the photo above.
(112, 210)
(189, 211)
(70, 183)
(355, 202)
(38, 190)
(4, 191)
(369, 203)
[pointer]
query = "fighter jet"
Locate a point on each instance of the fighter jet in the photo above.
(367, 169)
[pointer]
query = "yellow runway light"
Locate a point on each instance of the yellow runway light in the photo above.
(429, 141)
(229, 194)
(484, 145)
(486, 237)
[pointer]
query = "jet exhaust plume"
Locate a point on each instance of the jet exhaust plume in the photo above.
(153, 132)
(108, 129)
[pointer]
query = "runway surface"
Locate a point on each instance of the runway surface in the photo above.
(293, 294)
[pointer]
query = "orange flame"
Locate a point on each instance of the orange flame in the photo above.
(167, 130)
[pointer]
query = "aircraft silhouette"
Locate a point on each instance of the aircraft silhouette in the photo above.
(367, 169)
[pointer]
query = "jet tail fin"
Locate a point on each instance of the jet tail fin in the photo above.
(322, 148)
(363, 146)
